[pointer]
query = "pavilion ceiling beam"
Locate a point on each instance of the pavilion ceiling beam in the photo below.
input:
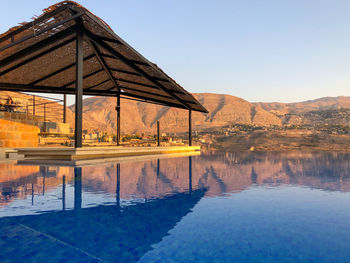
(103, 64)
(97, 21)
(97, 52)
(60, 90)
(142, 98)
(84, 77)
(136, 83)
(113, 40)
(49, 89)
(59, 70)
(98, 84)
(33, 88)
(52, 74)
(157, 101)
(131, 95)
(130, 60)
(134, 73)
(146, 92)
(125, 72)
(154, 101)
(127, 88)
(130, 64)
(35, 22)
(149, 101)
(25, 38)
(37, 46)
(37, 56)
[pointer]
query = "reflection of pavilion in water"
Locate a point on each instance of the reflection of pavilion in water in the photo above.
(18, 182)
(170, 188)
(94, 234)
(139, 181)
(100, 233)
(219, 173)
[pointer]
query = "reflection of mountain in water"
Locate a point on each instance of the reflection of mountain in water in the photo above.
(102, 233)
(219, 172)
(166, 190)
(327, 171)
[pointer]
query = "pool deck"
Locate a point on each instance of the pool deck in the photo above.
(101, 161)
(73, 155)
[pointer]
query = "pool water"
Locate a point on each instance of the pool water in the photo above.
(215, 207)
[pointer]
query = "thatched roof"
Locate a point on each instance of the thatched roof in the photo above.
(39, 56)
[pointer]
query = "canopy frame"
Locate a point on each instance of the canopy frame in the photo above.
(120, 71)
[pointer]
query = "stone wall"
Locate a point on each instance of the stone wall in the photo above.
(54, 127)
(18, 130)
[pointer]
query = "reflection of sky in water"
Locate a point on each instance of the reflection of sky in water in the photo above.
(244, 207)
(287, 224)
(52, 200)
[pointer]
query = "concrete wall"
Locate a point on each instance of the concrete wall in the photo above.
(18, 130)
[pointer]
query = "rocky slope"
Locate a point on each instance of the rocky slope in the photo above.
(142, 117)
(283, 140)
(223, 110)
(321, 104)
(99, 113)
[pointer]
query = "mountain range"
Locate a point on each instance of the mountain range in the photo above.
(223, 110)
(99, 113)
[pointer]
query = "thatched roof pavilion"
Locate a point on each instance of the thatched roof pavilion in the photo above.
(69, 50)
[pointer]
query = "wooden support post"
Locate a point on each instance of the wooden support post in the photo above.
(79, 90)
(44, 112)
(158, 134)
(190, 127)
(33, 105)
(118, 119)
(64, 108)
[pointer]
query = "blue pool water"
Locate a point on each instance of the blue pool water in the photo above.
(216, 207)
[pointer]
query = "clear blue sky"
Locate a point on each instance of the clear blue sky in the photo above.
(261, 50)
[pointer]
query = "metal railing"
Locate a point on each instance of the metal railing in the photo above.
(42, 107)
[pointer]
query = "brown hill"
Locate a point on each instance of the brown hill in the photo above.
(321, 104)
(99, 113)
(223, 110)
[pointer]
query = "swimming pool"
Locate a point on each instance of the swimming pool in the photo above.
(216, 207)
